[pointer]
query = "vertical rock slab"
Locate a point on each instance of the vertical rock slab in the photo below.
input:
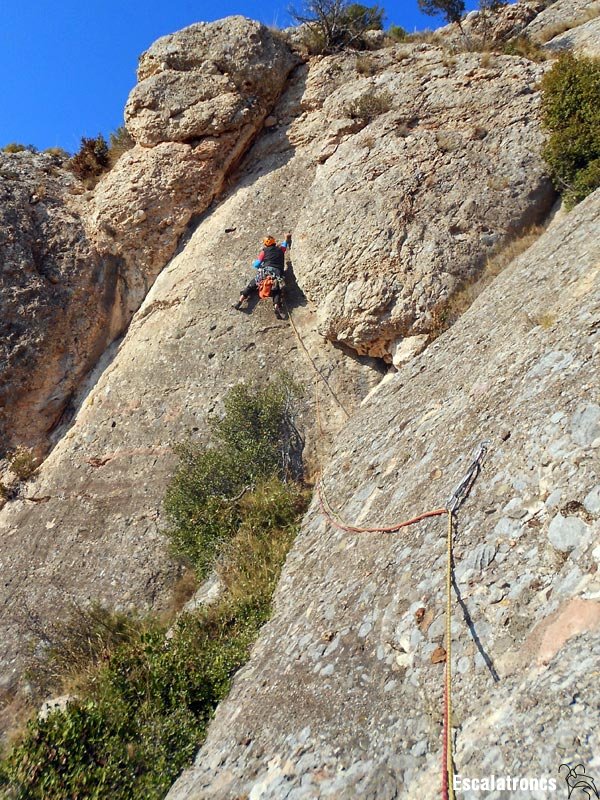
(342, 696)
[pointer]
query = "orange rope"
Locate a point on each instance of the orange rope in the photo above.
(338, 523)
(330, 515)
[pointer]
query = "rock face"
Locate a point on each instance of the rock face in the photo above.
(582, 40)
(342, 697)
(442, 166)
(90, 524)
(492, 27)
(561, 16)
(59, 298)
(203, 95)
(391, 205)
(76, 268)
(206, 80)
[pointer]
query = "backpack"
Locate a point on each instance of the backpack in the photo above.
(266, 283)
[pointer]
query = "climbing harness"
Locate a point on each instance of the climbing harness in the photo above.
(456, 499)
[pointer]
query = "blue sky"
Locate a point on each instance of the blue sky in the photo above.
(67, 67)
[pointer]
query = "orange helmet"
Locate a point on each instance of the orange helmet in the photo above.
(268, 241)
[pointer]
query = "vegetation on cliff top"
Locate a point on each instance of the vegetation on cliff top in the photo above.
(142, 694)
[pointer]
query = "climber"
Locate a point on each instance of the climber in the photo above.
(269, 280)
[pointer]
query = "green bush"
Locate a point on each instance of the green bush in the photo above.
(397, 33)
(250, 563)
(254, 440)
(22, 462)
(58, 152)
(144, 718)
(120, 142)
(571, 112)
(76, 642)
(145, 696)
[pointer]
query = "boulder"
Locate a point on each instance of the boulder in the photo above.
(142, 207)
(206, 80)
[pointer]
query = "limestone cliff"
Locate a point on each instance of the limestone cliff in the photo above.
(342, 697)
(60, 301)
(76, 265)
(399, 173)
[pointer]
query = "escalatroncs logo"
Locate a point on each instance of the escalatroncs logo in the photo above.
(581, 786)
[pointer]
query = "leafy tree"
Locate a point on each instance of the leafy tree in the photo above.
(333, 25)
(451, 10)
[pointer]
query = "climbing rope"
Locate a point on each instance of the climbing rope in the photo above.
(456, 499)
(447, 760)
(335, 519)
(312, 361)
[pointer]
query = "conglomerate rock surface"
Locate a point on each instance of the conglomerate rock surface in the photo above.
(434, 161)
(342, 696)
(59, 300)
(76, 265)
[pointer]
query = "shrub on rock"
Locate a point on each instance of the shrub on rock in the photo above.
(570, 111)
(91, 160)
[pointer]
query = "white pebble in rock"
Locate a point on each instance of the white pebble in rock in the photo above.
(566, 533)
(554, 498)
(364, 630)
(585, 425)
(463, 664)
(592, 501)
(514, 509)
